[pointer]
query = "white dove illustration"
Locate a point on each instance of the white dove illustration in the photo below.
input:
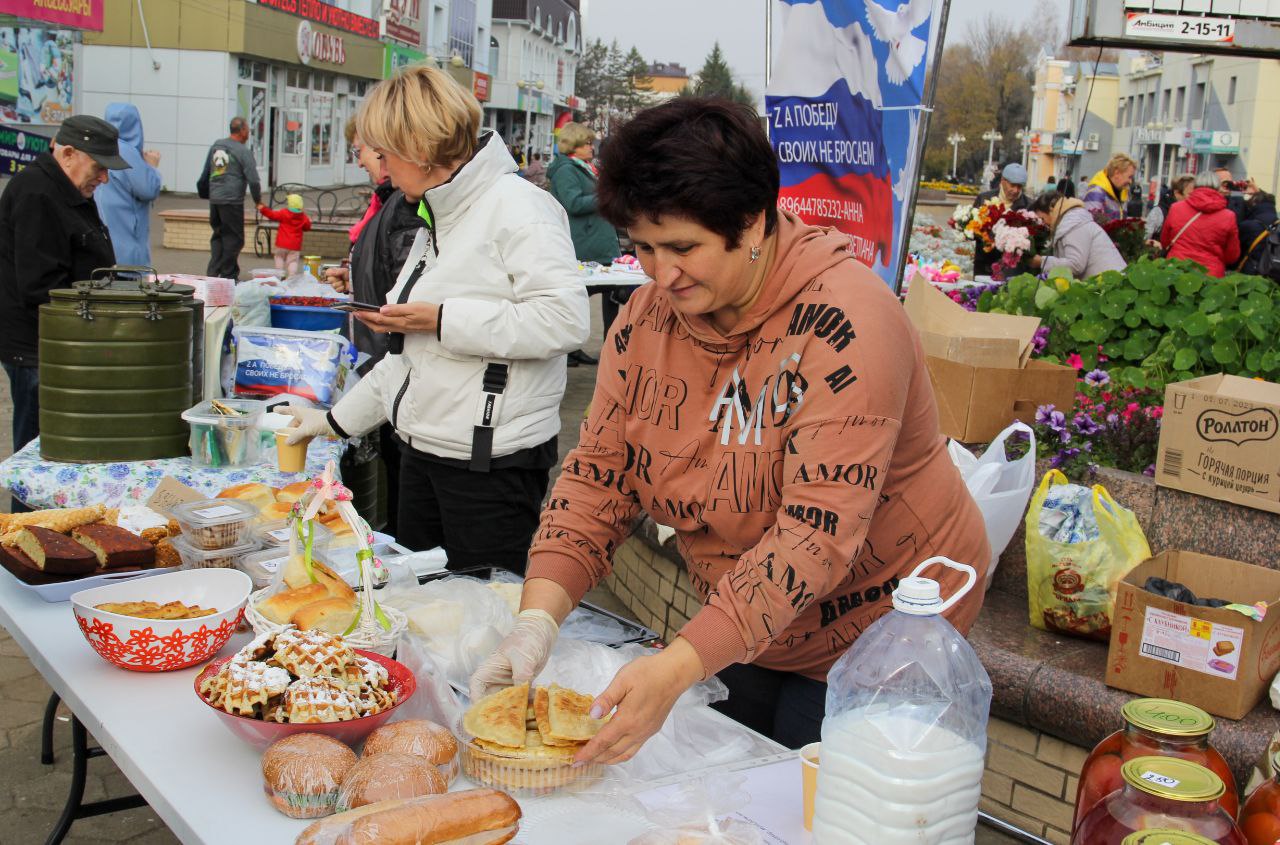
(894, 28)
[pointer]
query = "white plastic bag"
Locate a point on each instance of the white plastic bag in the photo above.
(699, 811)
(1001, 487)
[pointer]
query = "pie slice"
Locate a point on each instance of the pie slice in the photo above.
(499, 717)
(541, 708)
(569, 716)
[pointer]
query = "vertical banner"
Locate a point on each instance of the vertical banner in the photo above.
(844, 107)
(37, 74)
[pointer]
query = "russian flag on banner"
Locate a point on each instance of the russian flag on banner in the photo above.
(842, 110)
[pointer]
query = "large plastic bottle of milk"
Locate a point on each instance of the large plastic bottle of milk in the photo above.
(905, 729)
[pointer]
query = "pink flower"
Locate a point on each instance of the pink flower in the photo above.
(1155, 412)
(1075, 361)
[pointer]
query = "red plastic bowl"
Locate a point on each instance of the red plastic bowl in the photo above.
(260, 734)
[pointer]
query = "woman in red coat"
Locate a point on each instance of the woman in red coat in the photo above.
(293, 223)
(1201, 228)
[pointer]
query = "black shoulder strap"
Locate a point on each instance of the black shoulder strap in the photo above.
(395, 340)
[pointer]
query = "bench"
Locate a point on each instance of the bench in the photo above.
(333, 211)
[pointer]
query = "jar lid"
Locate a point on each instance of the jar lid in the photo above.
(1172, 778)
(1165, 837)
(1168, 717)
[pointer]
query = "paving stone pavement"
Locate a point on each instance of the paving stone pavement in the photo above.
(31, 794)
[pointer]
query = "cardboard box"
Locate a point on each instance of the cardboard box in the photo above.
(1219, 439)
(1217, 659)
(980, 368)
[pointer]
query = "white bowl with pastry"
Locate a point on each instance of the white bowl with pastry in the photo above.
(163, 623)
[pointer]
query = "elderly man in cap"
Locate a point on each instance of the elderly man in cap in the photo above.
(1012, 192)
(50, 236)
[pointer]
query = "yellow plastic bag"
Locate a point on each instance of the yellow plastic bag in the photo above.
(1080, 543)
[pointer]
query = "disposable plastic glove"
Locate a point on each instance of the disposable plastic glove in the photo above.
(520, 656)
(309, 422)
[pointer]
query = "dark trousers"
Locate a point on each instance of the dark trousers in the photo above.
(389, 451)
(480, 518)
(24, 387)
(227, 222)
(786, 707)
(612, 298)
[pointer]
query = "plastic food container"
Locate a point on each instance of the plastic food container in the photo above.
(1177, 794)
(1157, 727)
(224, 440)
(194, 558)
(276, 533)
(261, 566)
(216, 523)
(519, 775)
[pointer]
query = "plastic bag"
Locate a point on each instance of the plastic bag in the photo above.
(271, 362)
(1080, 543)
(698, 811)
(388, 776)
(1001, 487)
(251, 305)
(435, 700)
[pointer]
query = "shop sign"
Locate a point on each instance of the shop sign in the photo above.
(395, 57)
(480, 86)
(402, 21)
(81, 14)
(320, 12)
(1179, 27)
(320, 46)
(19, 148)
(1205, 141)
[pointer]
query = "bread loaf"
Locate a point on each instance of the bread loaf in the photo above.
(55, 553)
(21, 567)
(333, 616)
(257, 493)
(388, 776)
(291, 493)
(114, 546)
(281, 607)
(473, 817)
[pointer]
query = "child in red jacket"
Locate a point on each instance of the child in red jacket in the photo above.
(289, 237)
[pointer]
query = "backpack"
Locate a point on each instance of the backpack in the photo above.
(1263, 257)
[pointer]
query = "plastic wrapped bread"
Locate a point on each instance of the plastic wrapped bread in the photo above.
(471, 817)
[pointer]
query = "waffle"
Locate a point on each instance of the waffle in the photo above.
(371, 700)
(363, 672)
(245, 689)
(317, 699)
(310, 654)
(263, 648)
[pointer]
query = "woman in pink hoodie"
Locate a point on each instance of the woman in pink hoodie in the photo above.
(765, 396)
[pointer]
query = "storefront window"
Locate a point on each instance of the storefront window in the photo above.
(462, 29)
(251, 103)
(256, 71)
(294, 132)
(299, 78)
(321, 129)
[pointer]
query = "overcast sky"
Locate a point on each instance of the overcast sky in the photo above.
(684, 30)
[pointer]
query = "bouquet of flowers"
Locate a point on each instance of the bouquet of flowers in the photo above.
(1129, 234)
(994, 227)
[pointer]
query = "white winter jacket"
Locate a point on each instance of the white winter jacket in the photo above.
(498, 257)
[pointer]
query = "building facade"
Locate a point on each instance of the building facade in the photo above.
(1072, 125)
(667, 79)
(1185, 112)
(533, 55)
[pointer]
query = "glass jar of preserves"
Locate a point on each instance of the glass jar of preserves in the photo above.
(1158, 727)
(1163, 793)
(1165, 837)
(1260, 818)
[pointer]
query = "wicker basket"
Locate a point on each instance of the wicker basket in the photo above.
(378, 628)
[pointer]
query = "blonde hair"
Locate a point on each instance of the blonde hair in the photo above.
(349, 131)
(1182, 183)
(1119, 163)
(572, 136)
(421, 115)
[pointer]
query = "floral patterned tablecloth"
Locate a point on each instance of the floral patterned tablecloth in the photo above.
(47, 484)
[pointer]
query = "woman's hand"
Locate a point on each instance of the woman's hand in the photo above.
(644, 691)
(410, 317)
(339, 278)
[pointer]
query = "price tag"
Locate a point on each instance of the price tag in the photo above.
(280, 535)
(1161, 780)
(217, 512)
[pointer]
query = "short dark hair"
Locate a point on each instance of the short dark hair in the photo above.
(707, 159)
(1045, 202)
(238, 125)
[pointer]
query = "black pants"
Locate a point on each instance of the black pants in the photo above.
(389, 451)
(227, 222)
(786, 707)
(612, 298)
(24, 387)
(481, 518)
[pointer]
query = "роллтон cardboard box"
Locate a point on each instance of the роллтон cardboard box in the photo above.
(1219, 438)
(1217, 659)
(979, 366)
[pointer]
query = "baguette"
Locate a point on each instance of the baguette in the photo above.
(472, 817)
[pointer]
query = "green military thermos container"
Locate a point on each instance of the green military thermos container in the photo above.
(120, 360)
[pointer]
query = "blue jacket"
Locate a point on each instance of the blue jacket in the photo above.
(125, 201)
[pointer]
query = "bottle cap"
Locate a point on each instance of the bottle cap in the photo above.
(918, 596)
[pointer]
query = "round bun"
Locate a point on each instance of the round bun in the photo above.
(418, 737)
(384, 777)
(302, 773)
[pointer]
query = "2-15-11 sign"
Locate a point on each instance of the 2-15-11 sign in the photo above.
(1179, 27)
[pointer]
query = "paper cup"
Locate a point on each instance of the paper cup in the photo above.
(291, 458)
(809, 773)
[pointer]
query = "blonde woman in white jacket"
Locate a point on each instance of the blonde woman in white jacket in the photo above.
(487, 305)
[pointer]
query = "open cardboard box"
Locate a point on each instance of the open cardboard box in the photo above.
(983, 378)
(1220, 437)
(1217, 659)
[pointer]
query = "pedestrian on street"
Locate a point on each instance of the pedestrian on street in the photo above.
(125, 201)
(1076, 241)
(1201, 228)
(485, 308)
(292, 221)
(51, 235)
(536, 172)
(1178, 190)
(229, 168)
(1010, 190)
(1108, 190)
(572, 177)
(1259, 216)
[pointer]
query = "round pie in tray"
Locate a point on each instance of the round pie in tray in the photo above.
(534, 770)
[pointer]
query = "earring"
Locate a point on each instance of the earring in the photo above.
(755, 254)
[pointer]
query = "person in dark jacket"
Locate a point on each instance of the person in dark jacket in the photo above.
(229, 168)
(51, 235)
(1201, 228)
(1012, 192)
(1259, 215)
(572, 181)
